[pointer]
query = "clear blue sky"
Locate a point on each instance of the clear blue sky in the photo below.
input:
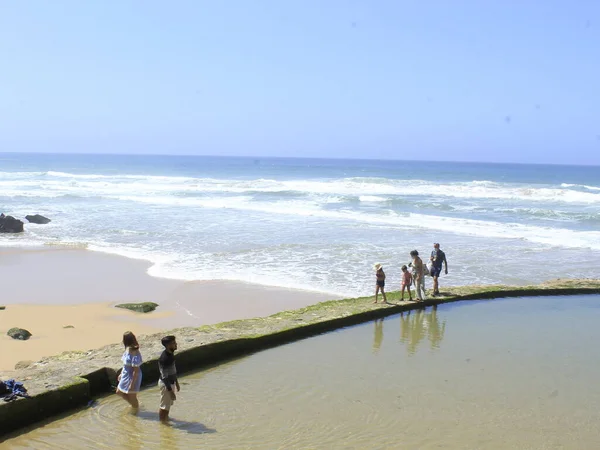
(443, 80)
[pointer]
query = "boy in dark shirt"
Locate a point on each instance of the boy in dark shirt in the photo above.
(168, 377)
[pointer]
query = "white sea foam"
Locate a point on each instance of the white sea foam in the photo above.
(591, 188)
(163, 190)
(55, 184)
(140, 217)
(183, 267)
(544, 235)
(372, 198)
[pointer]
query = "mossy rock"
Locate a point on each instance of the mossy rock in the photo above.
(144, 307)
(2, 308)
(23, 364)
(19, 333)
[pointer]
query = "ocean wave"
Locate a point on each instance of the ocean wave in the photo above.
(372, 198)
(580, 217)
(11, 175)
(584, 186)
(551, 214)
(316, 207)
(538, 234)
(237, 202)
(155, 178)
(62, 183)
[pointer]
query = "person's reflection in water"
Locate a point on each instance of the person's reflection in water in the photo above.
(435, 330)
(415, 327)
(378, 337)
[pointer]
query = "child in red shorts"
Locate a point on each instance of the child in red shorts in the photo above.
(406, 282)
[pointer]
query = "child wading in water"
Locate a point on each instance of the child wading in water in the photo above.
(406, 282)
(130, 378)
(380, 286)
(168, 377)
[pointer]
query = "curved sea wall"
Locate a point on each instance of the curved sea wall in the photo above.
(65, 382)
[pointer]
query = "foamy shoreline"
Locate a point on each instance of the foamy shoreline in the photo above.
(47, 289)
(154, 264)
(309, 224)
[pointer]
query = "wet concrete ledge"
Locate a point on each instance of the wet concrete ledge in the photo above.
(80, 376)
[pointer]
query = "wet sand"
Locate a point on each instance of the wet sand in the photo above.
(47, 289)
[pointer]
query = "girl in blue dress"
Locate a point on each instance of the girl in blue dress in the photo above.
(130, 378)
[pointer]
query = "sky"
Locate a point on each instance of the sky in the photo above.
(462, 80)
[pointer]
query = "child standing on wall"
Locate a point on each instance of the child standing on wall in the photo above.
(168, 377)
(380, 284)
(406, 282)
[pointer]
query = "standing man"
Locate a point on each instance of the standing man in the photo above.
(438, 257)
(168, 377)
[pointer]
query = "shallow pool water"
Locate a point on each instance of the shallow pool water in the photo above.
(515, 373)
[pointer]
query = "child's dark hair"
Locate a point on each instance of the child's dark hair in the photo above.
(404, 267)
(129, 340)
(414, 253)
(167, 340)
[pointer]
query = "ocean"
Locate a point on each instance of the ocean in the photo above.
(315, 224)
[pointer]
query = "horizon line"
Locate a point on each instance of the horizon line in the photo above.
(332, 158)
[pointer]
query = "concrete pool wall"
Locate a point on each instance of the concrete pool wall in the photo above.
(63, 383)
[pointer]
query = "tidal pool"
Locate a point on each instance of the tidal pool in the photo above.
(514, 373)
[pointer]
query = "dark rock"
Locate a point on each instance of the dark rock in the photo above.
(68, 326)
(138, 307)
(8, 224)
(19, 333)
(38, 219)
(2, 308)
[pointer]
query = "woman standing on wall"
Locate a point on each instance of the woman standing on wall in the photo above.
(418, 277)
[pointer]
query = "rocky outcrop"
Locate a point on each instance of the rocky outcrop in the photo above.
(145, 307)
(19, 333)
(8, 224)
(38, 219)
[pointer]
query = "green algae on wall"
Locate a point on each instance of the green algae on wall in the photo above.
(26, 411)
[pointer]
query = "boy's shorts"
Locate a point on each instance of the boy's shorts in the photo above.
(165, 397)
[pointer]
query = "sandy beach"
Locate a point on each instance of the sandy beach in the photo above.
(66, 298)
